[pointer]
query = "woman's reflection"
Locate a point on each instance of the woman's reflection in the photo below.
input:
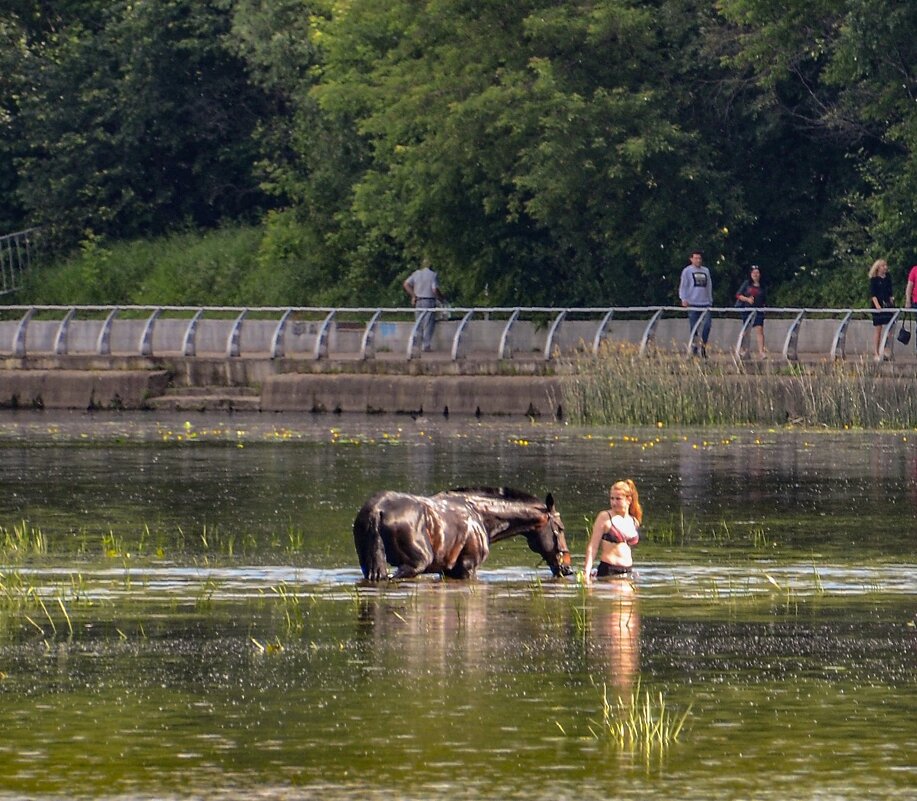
(616, 625)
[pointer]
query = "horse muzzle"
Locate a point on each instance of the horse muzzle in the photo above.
(563, 564)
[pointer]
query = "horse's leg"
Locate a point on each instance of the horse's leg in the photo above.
(408, 548)
(461, 570)
(470, 552)
(368, 539)
(405, 572)
(468, 560)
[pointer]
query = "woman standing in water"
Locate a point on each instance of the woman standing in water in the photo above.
(615, 532)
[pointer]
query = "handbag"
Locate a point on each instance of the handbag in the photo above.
(904, 333)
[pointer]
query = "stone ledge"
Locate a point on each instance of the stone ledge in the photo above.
(80, 389)
(462, 395)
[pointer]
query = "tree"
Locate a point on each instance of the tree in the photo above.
(533, 149)
(842, 72)
(140, 121)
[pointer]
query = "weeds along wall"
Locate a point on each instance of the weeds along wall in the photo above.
(619, 386)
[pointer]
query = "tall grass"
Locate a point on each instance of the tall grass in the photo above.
(21, 540)
(639, 722)
(620, 386)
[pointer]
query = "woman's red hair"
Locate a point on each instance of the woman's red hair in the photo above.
(628, 486)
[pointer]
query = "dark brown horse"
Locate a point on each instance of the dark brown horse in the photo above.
(450, 533)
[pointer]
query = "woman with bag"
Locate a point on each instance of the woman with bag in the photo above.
(752, 295)
(881, 297)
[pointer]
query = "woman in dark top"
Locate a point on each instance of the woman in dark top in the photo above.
(752, 295)
(880, 296)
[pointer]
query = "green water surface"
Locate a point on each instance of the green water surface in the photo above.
(181, 615)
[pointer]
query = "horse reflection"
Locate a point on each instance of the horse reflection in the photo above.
(451, 532)
(435, 629)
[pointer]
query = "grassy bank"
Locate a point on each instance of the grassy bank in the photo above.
(191, 268)
(619, 386)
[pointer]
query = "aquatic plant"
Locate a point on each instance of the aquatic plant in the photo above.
(581, 609)
(22, 539)
(204, 599)
(789, 593)
(619, 385)
(639, 722)
(275, 647)
(291, 605)
(113, 545)
(15, 591)
(819, 587)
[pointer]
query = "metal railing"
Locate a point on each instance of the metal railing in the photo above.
(16, 253)
(494, 333)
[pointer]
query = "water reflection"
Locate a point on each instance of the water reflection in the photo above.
(256, 479)
(437, 625)
(615, 624)
(187, 675)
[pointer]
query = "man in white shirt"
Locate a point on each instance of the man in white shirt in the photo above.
(423, 288)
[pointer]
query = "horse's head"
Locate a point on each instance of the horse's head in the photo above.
(550, 540)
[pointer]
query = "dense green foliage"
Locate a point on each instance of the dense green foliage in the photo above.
(538, 152)
(217, 267)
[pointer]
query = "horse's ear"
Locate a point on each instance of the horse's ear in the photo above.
(549, 502)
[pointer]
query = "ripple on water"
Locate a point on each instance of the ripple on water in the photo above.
(688, 581)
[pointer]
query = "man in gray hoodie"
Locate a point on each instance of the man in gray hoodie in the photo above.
(695, 290)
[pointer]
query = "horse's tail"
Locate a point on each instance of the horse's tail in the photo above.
(367, 537)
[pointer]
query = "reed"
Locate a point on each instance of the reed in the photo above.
(22, 540)
(819, 587)
(113, 545)
(619, 386)
(581, 609)
(16, 592)
(203, 602)
(639, 722)
(291, 605)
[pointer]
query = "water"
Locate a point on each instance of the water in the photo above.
(193, 625)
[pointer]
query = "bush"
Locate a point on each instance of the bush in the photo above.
(180, 269)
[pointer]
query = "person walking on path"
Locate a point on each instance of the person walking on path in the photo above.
(422, 287)
(695, 290)
(880, 297)
(752, 295)
(910, 294)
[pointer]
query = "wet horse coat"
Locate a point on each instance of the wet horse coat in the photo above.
(451, 532)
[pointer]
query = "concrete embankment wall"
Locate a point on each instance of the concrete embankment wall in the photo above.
(465, 395)
(80, 389)
(204, 386)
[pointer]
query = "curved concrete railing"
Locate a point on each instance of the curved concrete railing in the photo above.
(504, 333)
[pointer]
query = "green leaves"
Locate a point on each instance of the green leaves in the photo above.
(538, 152)
(138, 120)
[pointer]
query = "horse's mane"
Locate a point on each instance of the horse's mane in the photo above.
(506, 493)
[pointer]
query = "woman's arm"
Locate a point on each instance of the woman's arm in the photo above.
(598, 528)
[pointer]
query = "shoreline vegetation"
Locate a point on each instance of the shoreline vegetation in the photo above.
(619, 386)
(537, 153)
